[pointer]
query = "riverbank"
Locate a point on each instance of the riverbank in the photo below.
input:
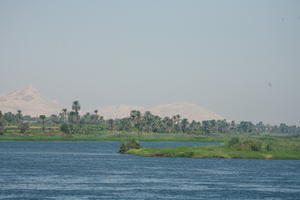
(287, 148)
(107, 136)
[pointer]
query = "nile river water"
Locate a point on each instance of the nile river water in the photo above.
(94, 170)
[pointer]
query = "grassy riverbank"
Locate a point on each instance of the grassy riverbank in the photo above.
(271, 148)
(107, 136)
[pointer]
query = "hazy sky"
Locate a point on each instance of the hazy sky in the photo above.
(240, 59)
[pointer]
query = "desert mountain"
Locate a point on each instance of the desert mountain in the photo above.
(30, 101)
(184, 109)
(34, 103)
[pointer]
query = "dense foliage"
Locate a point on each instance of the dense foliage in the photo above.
(2, 130)
(66, 128)
(247, 144)
(129, 144)
(244, 146)
(23, 127)
(72, 122)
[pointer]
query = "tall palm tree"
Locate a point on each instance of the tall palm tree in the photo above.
(111, 124)
(1, 124)
(184, 125)
(64, 110)
(136, 118)
(169, 123)
(76, 107)
(176, 119)
(19, 115)
(96, 117)
(43, 117)
(72, 116)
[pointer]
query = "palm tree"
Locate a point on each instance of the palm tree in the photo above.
(95, 117)
(76, 108)
(232, 126)
(101, 119)
(43, 117)
(19, 116)
(136, 117)
(147, 122)
(169, 123)
(111, 124)
(1, 124)
(72, 117)
(184, 125)
(176, 119)
(65, 114)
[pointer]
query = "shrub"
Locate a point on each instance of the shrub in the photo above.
(252, 145)
(130, 144)
(233, 142)
(247, 144)
(268, 147)
(23, 127)
(66, 128)
(75, 129)
(2, 128)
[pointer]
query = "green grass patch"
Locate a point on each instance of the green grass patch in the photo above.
(107, 136)
(281, 148)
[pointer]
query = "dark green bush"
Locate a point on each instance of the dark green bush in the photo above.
(268, 147)
(2, 129)
(77, 129)
(23, 127)
(252, 145)
(233, 142)
(130, 144)
(247, 144)
(66, 128)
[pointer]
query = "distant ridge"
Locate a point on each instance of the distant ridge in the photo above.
(34, 103)
(184, 109)
(30, 101)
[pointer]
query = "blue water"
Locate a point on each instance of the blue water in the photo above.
(93, 170)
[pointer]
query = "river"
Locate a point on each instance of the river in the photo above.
(94, 170)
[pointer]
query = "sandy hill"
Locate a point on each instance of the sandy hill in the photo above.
(184, 109)
(34, 103)
(30, 101)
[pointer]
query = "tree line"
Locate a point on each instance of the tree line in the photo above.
(72, 122)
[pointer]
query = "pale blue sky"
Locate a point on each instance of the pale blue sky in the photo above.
(222, 55)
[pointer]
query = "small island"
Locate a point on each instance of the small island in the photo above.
(262, 148)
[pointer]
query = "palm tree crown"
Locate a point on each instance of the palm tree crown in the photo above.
(76, 106)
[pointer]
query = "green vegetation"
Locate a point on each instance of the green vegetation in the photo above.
(145, 123)
(129, 144)
(66, 128)
(246, 144)
(2, 130)
(263, 147)
(248, 140)
(34, 135)
(43, 117)
(23, 127)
